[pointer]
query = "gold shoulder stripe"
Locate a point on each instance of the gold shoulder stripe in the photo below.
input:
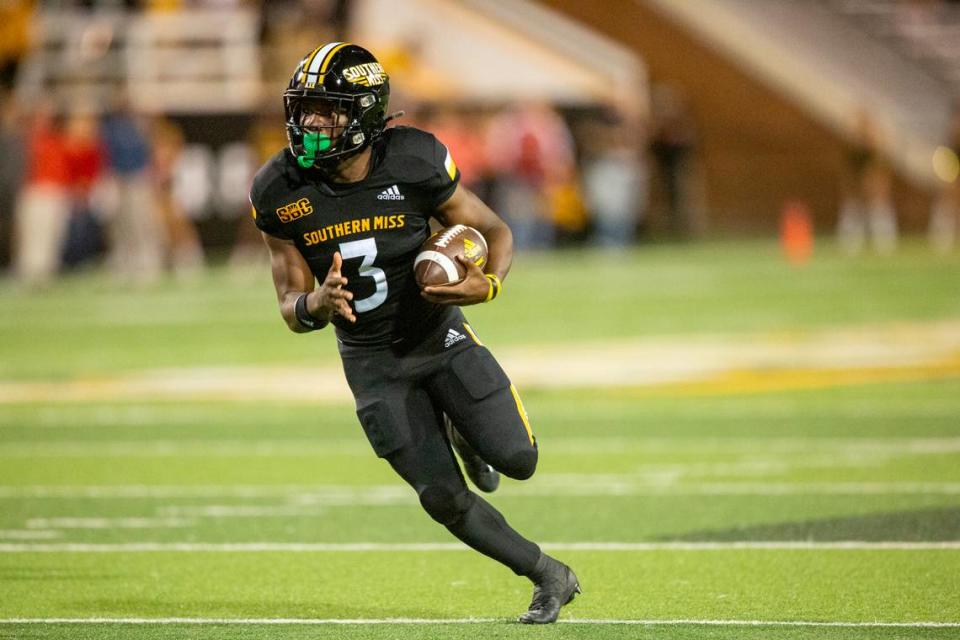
(450, 165)
(472, 334)
(523, 414)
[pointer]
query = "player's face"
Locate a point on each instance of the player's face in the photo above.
(328, 116)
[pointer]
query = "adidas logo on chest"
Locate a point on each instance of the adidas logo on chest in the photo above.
(453, 337)
(393, 193)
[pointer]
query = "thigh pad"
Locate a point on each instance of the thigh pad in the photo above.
(479, 373)
(385, 430)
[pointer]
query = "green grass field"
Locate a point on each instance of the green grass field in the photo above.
(810, 490)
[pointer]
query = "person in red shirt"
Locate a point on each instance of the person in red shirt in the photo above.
(85, 157)
(43, 204)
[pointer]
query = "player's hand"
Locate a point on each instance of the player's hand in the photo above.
(330, 297)
(473, 289)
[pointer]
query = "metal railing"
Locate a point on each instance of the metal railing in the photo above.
(190, 61)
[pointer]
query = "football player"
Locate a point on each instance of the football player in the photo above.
(344, 210)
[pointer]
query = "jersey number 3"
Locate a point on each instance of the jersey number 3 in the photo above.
(367, 249)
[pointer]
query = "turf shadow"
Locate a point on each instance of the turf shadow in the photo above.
(922, 525)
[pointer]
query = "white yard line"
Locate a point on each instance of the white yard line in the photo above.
(335, 547)
(626, 487)
(108, 523)
(827, 450)
(454, 621)
(547, 485)
(29, 534)
(156, 491)
(240, 511)
(161, 449)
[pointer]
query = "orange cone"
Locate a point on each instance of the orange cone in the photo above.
(796, 232)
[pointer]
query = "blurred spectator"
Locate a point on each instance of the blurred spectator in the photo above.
(464, 138)
(183, 249)
(615, 181)
(85, 159)
(43, 205)
(15, 18)
(867, 210)
(945, 213)
(532, 153)
(567, 210)
(12, 144)
(673, 145)
(266, 138)
(130, 210)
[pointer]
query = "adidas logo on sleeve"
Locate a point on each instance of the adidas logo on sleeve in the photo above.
(393, 193)
(453, 337)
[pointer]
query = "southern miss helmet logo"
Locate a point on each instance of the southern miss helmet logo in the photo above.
(368, 74)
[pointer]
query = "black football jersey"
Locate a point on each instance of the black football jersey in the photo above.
(377, 225)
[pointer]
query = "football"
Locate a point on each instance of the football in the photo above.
(437, 263)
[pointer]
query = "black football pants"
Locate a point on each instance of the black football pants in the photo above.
(400, 402)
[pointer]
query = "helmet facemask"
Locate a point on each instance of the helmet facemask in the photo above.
(326, 128)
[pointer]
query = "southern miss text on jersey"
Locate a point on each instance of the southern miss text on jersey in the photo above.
(377, 225)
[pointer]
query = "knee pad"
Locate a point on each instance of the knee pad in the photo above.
(521, 465)
(444, 504)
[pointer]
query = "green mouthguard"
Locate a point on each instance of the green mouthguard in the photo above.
(312, 143)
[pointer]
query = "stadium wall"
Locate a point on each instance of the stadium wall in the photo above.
(757, 148)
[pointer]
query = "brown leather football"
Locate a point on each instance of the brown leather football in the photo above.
(437, 263)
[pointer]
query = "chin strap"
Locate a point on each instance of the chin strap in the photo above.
(393, 116)
(313, 142)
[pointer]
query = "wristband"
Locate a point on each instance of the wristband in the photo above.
(303, 316)
(495, 286)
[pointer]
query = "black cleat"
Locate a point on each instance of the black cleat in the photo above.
(483, 476)
(555, 586)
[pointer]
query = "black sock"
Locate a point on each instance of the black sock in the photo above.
(540, 569)
(484, 529)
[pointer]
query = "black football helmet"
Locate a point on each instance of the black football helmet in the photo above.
(337, 78)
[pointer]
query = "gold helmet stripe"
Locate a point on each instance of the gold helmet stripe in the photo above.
(307, 62)
(317, 58)
(326, 61)
(328, 58)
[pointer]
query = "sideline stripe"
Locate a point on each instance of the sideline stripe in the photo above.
(311, 547)
(622, 378)
(427, 621)
(759, 380)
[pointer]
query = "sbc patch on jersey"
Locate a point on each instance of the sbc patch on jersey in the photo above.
(294, 210)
